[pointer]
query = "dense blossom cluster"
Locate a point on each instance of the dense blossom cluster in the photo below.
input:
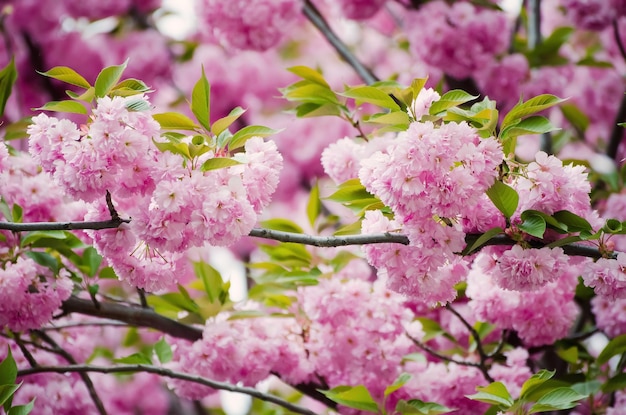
(173, 206)
(477, 34)
(256, 25)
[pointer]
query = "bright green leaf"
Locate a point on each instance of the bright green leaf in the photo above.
(314, 204)
(8, 369)
(493, 394)
(357, 397)
(67, 75)
(535, 381)
(8, 76)
(482, 239)
(211, 279)
(450, 99)
(218, 163)
(135, 358)
(163, 351)
(309, 74)
(175, 121)
(504, 197)
(225, 122)
(107, 78)
(63, 106)
(240, 137)
(284, 225)
(7, 392)
(397, 384)
(201, 101)
(92, 259)
(560, 398)
(532, 106)
(615, 347)
(418, 407)
(372, 95)
(533, 225)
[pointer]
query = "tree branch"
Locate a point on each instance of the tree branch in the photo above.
(136, 316)
(305, 239)
(170, 374)
(315, 17)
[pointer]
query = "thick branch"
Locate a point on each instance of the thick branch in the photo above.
(136, 316)
(315, 17)
(170, 374)
(301, 238)
(61, 226)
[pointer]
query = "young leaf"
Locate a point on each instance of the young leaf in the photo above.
(63, 106)
(309, 74)
(397, 384)
(616, 346)
(534, 382)
(534, 225)
(482, 239)
(163, 351)
(8, 369)
(536, 124)
(556, 399)
(201, 101)
(314, 205)
(7, 392)
(67, 75)
(92, 259)
(211, 279)
(284, 225)
(532, 106)
(22, 409)
(107, 78)
(225, 122)
(417, 407)
(8, 76)
(135, 358)
(450, 99)
(357, 397)
(493, 394)
(218, 163)
(372, 95)
(240, 137)
(175, 121)
(504, 197)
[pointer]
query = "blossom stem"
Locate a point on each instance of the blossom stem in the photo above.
(169, 374)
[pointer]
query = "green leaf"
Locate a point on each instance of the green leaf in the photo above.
(357, 397)
(504, 197)
(135, 358)
(371, 95)
(34, 236)
(483, 239)
(211, 280)
(536, 124)
(397, 384)
(44, 259)
(615, 347)
(575, 116)
(312, 109)
(306, 91)
(17, 213)
(63, 106)
(417, 407)
(617, 382)
(130, 86)
(8, 76)
(534, 225)
(138, 104)
(560, 398)
(22, 409)
(173, 147)
(350, 229)
(532, 106)
(309, 74)
(535, 381)
(17, 130)
(240, 137)
(8, 369)
(450, 99)
(225, 122)
(201, 101)
(573, 222)
(92, 259)
(218, 163)
(163, 351)
(391, 118)
(107, 78)
(175, 121)
(314, 204)
(493, 394)
(430, 327)
(588, 388)
(570, 355)
(86, 96)
(7, 392)
(284, 225)
(67, 75)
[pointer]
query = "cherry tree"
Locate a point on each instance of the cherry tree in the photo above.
(426, 197)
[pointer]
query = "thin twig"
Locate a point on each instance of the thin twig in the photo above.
(170, 374)
(438, 355)
(27, 354)
(61, 226)
(315, 17)
(60, 327)
(70, 359)
(479, 346)
(142, 297)
(500, 345)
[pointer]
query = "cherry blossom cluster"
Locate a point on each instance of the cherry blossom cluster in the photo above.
(257, 25)
(173, 204)
(459, 38)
